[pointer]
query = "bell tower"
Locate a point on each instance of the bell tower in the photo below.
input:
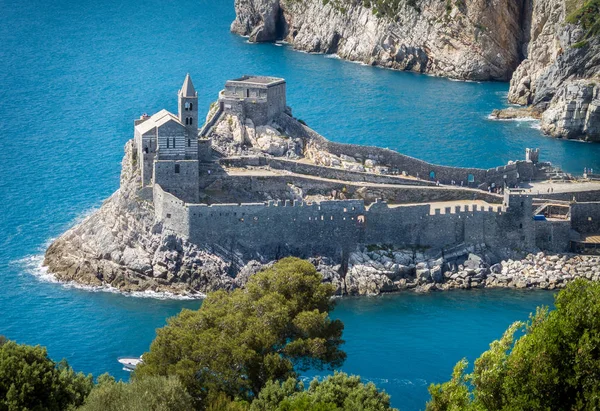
(188, 107)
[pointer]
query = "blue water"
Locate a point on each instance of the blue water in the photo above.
(74, 75)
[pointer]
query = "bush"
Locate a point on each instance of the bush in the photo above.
(151, 393)
(588, 16)
(29, 380)
(339, 392)
(554, 365)
(238, 341)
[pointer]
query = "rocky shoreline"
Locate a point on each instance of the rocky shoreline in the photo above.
(381, 271)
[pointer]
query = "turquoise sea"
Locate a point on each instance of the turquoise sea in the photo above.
(74, 75)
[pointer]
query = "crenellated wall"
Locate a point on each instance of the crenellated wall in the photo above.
(332, 228)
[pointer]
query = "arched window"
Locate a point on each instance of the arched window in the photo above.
(167, 143)
(173, 142)
(186, 121)
(191, 121)
(191, 106)
(187, 106)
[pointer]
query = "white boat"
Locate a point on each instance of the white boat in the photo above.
(129, 363)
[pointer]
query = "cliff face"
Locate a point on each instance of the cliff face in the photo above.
(463, 39)
(552, 69)
(559, 74)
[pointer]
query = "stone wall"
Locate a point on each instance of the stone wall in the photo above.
(320, 171)
(470, 177)
(171, 212)
(178, 177)
(552, 235)
(275, 186)
(581, 196)
(585, 218)
(333, 228)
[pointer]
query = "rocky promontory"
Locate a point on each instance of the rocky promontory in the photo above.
(122, 246)
(560, 73)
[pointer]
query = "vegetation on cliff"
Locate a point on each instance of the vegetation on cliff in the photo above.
(555, 364)
(588, 16)
(380, 8)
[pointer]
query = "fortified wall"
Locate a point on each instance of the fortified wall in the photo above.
(181, 173)
(511, 174)
(333, 228)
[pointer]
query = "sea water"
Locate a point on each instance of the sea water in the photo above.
(74, 75)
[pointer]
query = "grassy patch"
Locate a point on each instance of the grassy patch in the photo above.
(380, 8)
(588, 16)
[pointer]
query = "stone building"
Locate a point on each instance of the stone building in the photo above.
(167, 146)
(257, 98)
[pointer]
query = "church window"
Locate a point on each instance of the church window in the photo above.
(167, 143)
(173, 142)
(177, 168)
(187, 106)
(186, 121)
(189, 142)
(191, 121)
(191, 106)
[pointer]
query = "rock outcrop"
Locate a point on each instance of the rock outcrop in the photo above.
(559, 73)
(465, 39)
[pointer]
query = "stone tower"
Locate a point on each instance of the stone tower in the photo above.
(188, 107)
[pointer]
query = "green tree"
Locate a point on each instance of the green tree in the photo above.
(150, 393)
(29, 380)
(238, 341)
(339, 392)
(555, 364)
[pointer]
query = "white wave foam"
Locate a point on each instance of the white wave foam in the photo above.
(518, 120)
(33, 265)
(332, 56)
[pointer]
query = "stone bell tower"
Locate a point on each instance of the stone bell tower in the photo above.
(188, 107)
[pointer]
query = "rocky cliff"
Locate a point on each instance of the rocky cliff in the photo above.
(551, 52)
(462, 39)
(560, 72)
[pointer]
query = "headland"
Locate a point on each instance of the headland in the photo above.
(201, 209)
